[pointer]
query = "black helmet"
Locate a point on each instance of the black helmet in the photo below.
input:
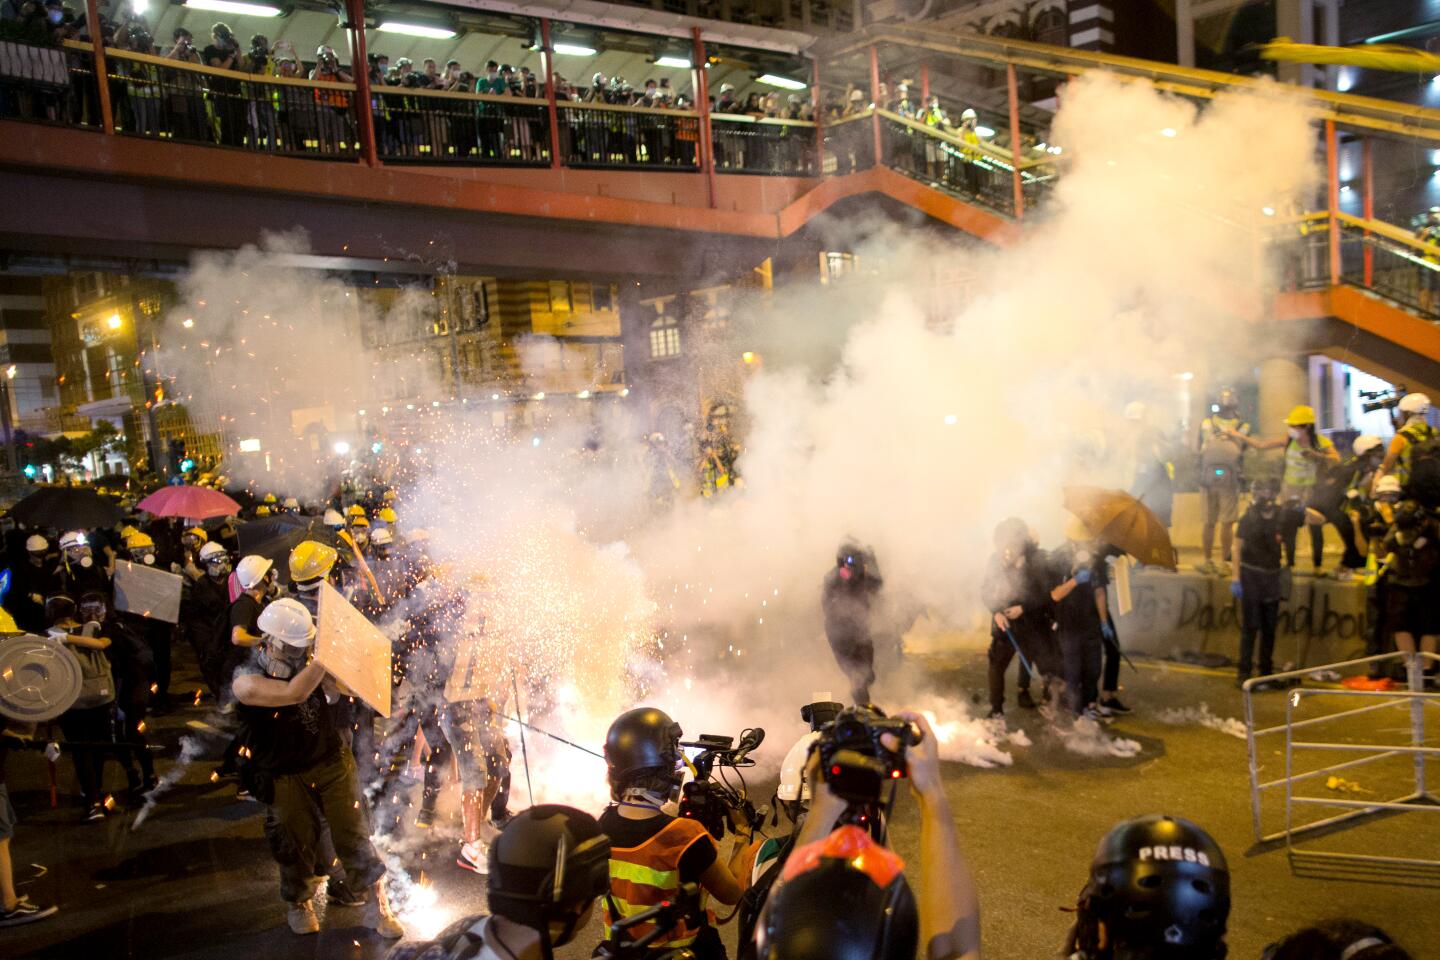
(1267, 486)
(852, 554)
(641, 741)
(841, 898)
(548, 865)
(1409, 513)
(1160, 887)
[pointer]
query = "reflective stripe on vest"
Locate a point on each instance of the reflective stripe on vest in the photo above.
(1301, 471)
(646, 876)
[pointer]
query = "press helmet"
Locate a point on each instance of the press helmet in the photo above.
(642, 743)
(1159, 888)
(841, 898)
(547, 866)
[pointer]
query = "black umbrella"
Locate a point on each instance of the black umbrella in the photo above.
(274, 537)
(244, 497)
(67, 508)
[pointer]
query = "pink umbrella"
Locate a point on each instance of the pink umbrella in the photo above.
(200, 503)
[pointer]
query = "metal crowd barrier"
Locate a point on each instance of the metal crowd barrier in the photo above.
(1418, 799)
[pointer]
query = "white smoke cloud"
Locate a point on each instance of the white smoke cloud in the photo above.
(937, 420)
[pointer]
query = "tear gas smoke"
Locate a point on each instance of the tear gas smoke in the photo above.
(908, 413)
(1201, 716)
(191, 749)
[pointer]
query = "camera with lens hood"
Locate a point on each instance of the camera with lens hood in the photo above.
(709, 800)
(855, 762)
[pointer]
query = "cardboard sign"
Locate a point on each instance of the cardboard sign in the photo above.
(353, 649)
(1124, 602)
(148, 592)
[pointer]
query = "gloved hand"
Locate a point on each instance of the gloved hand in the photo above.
(1082, 577)
(1107, 631)
(1235, 589)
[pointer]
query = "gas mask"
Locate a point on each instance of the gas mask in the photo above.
(93, 612)
(218, 569)
(146, 557)
(361, 537)
(381, 552)
(81, 556)
(309, 586)
(280, 661)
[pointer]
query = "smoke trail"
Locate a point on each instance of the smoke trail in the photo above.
(1201, 715)
(191, 749)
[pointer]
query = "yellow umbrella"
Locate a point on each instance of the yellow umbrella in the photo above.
(1120, 520)
(1373, 56)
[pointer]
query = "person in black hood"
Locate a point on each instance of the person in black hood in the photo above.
(1017, 593)
(846, 599)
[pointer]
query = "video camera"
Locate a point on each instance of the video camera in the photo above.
(708, 800)
(1382, 399)
(666, 917)
(855, 763)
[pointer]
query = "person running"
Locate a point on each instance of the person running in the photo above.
(847, 596)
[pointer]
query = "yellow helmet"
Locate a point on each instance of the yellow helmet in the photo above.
(389, 496)
(128, 531)
(262, 511)
(387, 515)
(139, 541)
(1301, 416)
(270, 498)
(355, 510)
(197, 533)
(311, 560)
(359, 522)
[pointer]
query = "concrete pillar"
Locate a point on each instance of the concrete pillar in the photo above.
(1184, 34)
(1295, 18)
(1284, 383)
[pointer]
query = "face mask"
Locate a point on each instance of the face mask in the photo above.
(146, 558)
(37, 559)
(361, 538)
(95, 613)
(1297, 434)
(278, 661)
(87, 561)
(309, 587)
(218, 570)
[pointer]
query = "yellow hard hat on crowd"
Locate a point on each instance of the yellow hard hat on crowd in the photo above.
(262, 511)
(139, 541)
(387, 515)
(1301, 416)
(388, 496)
(128, 531)
(311, 560)
(198, 533)
(355, 510)
(270, 498)
(359, 522)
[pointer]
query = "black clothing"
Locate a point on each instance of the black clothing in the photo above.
(1263, 538)
(625, 832)
(289, 739)
(245, 612)
(1033, 631)
(28, 583)
(206, 619)
(846, 605)
(1078, 625)
(75, 581)
(1259, 615)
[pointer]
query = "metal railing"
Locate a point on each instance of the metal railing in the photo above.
(1417, 798)
(1400, 267)
(451, 127)
(849, 144)
(172, 100)
(633, 138)
(765, 146)
(974, 171)
(48, 85)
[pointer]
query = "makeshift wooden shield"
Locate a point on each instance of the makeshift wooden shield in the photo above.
(148, 592)
(354, 651)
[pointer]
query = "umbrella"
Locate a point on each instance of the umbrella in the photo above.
(1123, 522)
(67, 508)
(187, 501)
(274, 537)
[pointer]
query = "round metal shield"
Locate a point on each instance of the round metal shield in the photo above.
(39, 678)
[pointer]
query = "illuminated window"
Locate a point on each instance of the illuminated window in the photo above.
(664, 337)
(561, 297)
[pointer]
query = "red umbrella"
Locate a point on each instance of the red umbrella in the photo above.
(199, 503)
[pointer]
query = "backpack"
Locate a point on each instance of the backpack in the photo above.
(97, 683)
(1424, 483)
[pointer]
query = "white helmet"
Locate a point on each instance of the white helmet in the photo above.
(968, 114)
(1364, 444)
(1413, 403)
(1387, 484)
(288, 621)
(333, 519)
(73, 539)
(291, 504)
(1134, 410)
(211, 551)
(251, 570)
(36, 544)
(382, 537)
(792, 772)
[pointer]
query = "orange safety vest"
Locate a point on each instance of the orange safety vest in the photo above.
(648, 875)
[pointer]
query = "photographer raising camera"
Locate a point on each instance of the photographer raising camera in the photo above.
(653, 854)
